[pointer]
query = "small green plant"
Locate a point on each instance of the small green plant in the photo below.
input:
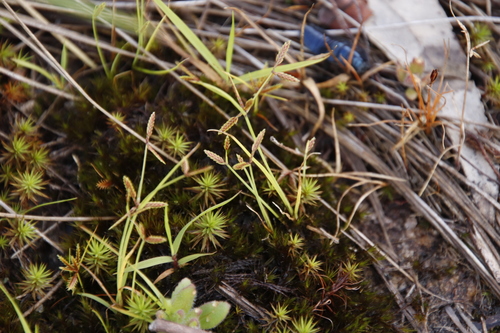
(7, 174)
(311, 266)
(342, 87)
(29, 186)
(21, 232)
(295, 244)
(493, 90)
(480, 33)
(36, 280)
(208, 228)
(304, 325)
(4, 242)
(141, 309)
(25, 127)
(17, 150)
(280, 314)
(311, 193)
(172, 140)
(39, 159)
(7, 52)
(178, 145)
(210, 187)
(98, 256)
(179, 309)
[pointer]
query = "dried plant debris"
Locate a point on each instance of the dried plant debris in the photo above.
(273, 166)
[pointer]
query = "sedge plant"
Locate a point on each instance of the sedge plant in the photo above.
(246, 163)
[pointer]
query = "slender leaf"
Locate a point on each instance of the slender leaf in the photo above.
(230, 46)
(96, 298)
(149, 263)
(223, 94)
(193, 39)
(12, 300)
(191, 257)
(252, 76)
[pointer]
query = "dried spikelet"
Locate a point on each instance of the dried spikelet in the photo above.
(240, 159)
(214, 157)
(227, 143)
(240, 166)
(287, 77)
(310, 145)
(141, 230)
(129, 187)
(282, 53)
(155, 239)
(155, 204)
(151, 125)
(228, 124)
(249, 104)
(258, 141)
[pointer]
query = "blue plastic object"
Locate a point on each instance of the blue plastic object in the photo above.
(314, 40)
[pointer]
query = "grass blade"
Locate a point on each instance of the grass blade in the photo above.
(230, 46)
(255, 75)
(193, 39)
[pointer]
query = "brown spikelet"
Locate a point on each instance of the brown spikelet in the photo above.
(241, 165)
(214, 157)
(310, 145)
(151, 125)
(282, 53)
(240, 159)
(434, 75)
(129, 187)
(228, 124)
(155, 239)
(258, 141)
(249, 104)
(141, 230)
(155, 204)
(287, 77)
(227, 143)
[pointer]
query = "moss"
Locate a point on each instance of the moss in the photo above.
(264, 268)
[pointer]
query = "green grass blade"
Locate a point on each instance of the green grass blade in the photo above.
(222, 94)
(255, 75)
(193, 39)
(230, 46)
(24, 323)
(103, 323)
(191, 257)
(149, 263)
(97, 299)
(95, 14)
(40, 70)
